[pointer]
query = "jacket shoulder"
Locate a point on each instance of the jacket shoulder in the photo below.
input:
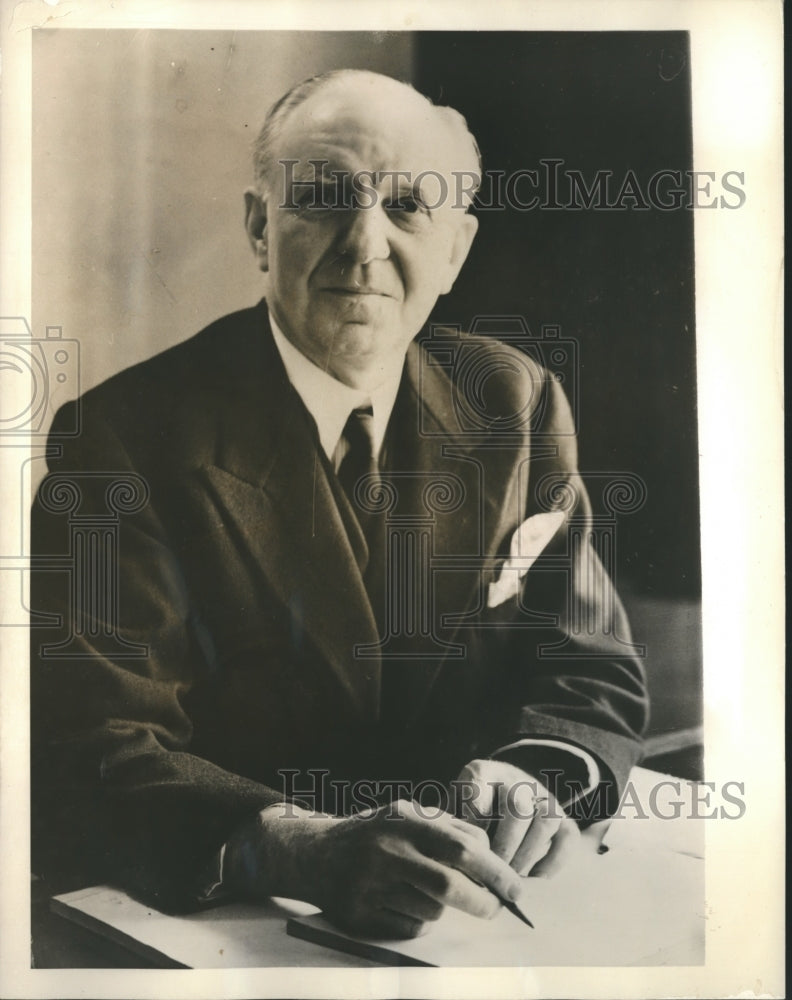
(494, 385)
(197, 373)
(462, 349)
(217, 352)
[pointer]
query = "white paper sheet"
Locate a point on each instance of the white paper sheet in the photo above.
(626, 907)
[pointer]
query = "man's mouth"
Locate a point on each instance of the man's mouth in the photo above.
(356, 290)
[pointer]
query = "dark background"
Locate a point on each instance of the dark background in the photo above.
(619, 282)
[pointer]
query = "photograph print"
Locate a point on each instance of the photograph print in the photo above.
(365, 537)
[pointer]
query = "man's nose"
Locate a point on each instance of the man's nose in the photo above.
(365, 234)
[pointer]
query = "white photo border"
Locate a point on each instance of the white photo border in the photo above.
(737, 86)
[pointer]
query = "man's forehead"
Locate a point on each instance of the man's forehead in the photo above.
(379, 125)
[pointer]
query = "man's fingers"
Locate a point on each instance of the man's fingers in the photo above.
(411, 902)
(451, 888)
(444, 884)
(388, 924)
(439, 835)
(565, 845)
(537, 840)
(515, 815)
(468, 851)
(472, 800)
(465, 827)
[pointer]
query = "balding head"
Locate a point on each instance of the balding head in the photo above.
(448, 125)
(357, 219)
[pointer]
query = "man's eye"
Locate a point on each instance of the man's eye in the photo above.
(407, 207)
(321, 198)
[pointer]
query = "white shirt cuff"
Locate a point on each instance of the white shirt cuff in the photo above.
(211, 885)
(592, 767)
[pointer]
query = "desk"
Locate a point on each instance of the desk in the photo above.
(58, 943)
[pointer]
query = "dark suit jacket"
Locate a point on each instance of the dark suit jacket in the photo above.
(199, 625)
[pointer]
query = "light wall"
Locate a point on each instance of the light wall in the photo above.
(141, 152)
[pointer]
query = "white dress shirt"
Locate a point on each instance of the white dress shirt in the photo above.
(329, 401)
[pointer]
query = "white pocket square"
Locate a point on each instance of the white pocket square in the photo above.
(527, 544)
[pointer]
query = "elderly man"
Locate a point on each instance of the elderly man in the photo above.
(316, 601)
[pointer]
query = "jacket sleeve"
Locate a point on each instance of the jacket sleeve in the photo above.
(116, 794)
(572, 673)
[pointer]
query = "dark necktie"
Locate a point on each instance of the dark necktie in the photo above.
(357, 459)
(402, 681)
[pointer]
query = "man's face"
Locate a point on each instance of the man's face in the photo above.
(351, 284)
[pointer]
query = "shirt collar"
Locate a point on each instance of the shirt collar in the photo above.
(329, 401)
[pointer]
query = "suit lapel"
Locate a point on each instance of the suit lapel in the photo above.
(273, 486)
(427, 446)
(493, 475)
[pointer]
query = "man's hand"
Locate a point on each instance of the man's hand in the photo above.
(386, 872)
(526, 825)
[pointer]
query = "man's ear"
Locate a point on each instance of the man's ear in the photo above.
(256, 226)
(460, 248)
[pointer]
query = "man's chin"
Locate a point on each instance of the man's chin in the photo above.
(361, 341)
(362, 352)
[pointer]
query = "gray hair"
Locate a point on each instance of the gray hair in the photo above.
(263, 145)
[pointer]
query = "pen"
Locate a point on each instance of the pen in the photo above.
(511, 906)
(515, 909)
(508, 904)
